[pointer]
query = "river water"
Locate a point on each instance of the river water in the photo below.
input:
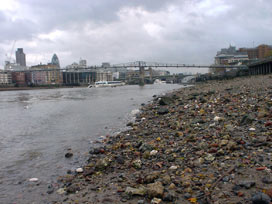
(37, 128)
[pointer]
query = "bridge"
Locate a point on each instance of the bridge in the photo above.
(141, 65)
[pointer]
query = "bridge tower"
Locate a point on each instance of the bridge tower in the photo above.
(141, 73)
(150, 74)
(141, 76)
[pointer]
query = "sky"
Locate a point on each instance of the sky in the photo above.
(120, 31)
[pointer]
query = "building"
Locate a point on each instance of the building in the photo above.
(5, 78)
(9, 66)
(259, 52)
(55, 61)
(230, 55)
(83, 63)
(74, 66)
(19, 78)
(104, 76)
(78, 77)
(20, 57)
(43, 74)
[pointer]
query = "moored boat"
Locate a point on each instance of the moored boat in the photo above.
(107, 84)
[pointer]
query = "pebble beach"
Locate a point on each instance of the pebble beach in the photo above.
(209, 143)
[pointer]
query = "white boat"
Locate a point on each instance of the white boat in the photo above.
(107, 84)
(158, 81)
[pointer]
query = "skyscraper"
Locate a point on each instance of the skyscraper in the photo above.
(55, 60)
(20, 57)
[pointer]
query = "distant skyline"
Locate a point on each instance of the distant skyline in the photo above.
(117, 31)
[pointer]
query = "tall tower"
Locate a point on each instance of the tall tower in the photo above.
(20, 57)
(55, 60)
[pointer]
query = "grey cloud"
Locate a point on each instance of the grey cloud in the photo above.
(93, 29)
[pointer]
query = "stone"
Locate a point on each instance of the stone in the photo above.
(173, 167)
(224, 142)
(247, 184)
(33, 179)
(141, 191)
(151, 177)
(267, 180)
(260, 198)
(165, 101)
(209, 157)
(79, 170)
(166, 179)
(155, 189)
(172, 186)
(153, 152)
(102, 164)
(217, 118)
(137, 164)
(72, 188)
(61, 191)
(68, 154)
(163, 111)
(156, 201)
(168, 196)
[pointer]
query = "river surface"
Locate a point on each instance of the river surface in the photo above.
(37, 128)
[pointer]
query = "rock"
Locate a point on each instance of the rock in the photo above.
(69, 154)
(247, 184)
(168, 196)
(120, 160)
(173, 167)
(267, 180)
(153, 152)
(166, 179)
(260, 198)
(155, 189)
(163, 111)
(145, 147)
(33, 179)
(140, 202)
(61, 191)
(269, 192)
(79, 170)
(72, 188)
(151, 177)
(156, 201)
(209, 157)
(232, 145)
(102, 164)
(251, 129)
(172, 186)
(217, 119)
(247, 119)
(137, 164)
(141, 191)
(130, 124)
(165, 101)
(229, 127)
(224, 142)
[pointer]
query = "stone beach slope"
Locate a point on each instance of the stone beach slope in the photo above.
(210, 143)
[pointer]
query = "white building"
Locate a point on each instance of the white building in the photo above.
(230, 56)
(5, 78)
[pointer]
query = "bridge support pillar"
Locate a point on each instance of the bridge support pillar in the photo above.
(141, 76)
(150, 74)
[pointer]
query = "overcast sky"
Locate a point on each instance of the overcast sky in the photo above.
(117, 31)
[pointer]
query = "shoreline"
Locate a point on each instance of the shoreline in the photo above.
(204, 144)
